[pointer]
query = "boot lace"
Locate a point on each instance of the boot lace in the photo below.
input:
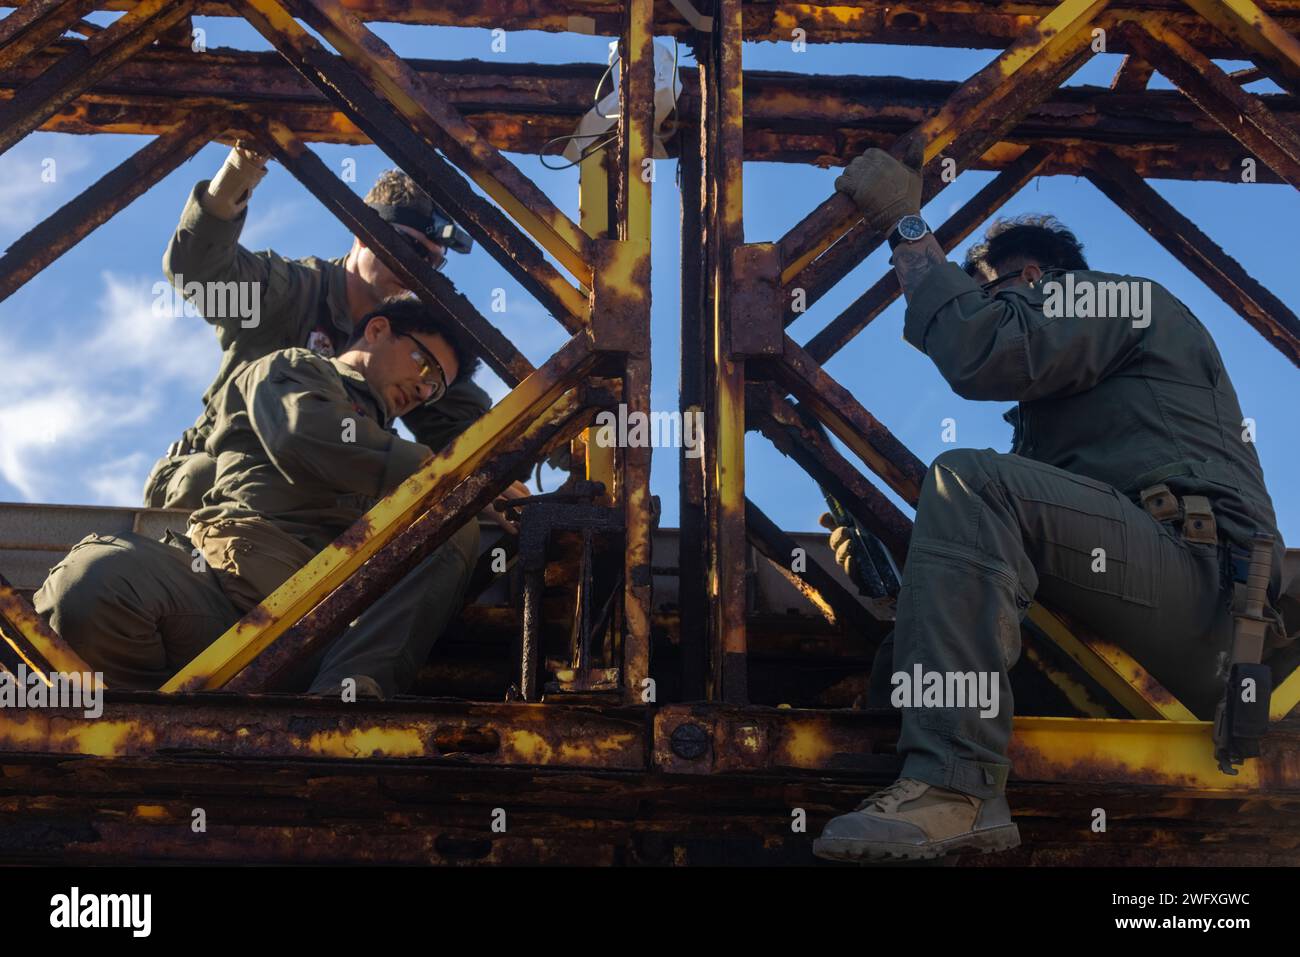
(888, 799)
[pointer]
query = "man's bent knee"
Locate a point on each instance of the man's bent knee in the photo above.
(89, 601)
(967, 464)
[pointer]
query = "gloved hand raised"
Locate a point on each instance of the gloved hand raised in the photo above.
(846, 555)
(228, 193)
(884, 189)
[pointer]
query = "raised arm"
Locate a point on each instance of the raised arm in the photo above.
(205, 249)
(986, 347)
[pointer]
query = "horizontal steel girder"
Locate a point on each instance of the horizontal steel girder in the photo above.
(822, 120)
(680, 740)
(943, 23)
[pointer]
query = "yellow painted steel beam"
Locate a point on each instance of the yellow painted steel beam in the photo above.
(276, 728)
(1276, 51)
(282, 609)
(30, 28)
(595, 203)
(39, 647)
(636, 118)
(630, 283)
(594, 195)
(1286, 697)
(401, 86)
(634, 496)
(1175, 756)
(1050, 45)
(729, 543)
(1109, 751)
(1114, 669)
(1068, 684)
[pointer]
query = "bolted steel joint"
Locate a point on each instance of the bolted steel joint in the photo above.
(689, 741)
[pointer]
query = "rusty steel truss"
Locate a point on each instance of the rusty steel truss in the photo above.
(446, 124)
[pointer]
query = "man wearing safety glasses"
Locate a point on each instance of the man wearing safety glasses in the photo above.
(304, 448)
(310, 302)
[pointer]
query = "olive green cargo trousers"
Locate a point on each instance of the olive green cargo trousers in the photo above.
(139, 610)
(995, 531)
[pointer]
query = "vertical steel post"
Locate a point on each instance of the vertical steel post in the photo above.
(636, 165)
(597, 213)
(696, 348)
(726, 481)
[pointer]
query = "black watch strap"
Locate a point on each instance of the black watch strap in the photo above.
(895, 238)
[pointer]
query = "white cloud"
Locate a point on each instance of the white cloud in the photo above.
(119, 482)
(263, 223)
(167, 347)
(76, 398)
(31, 188)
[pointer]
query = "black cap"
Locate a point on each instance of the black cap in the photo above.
(436, 225)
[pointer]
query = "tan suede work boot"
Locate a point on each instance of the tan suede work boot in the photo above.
(911, 820)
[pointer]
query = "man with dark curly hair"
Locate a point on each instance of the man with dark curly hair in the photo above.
(313, 304)
(303, 448)
(1126, 502)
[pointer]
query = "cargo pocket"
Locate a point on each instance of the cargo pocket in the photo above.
(1084, 533)
(252, 558)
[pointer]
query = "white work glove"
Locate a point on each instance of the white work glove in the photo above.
(228, 193)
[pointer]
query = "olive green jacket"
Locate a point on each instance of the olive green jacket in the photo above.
(1127, 400)
(303, 303)
(301, 441)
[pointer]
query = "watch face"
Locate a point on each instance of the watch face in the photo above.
(912, 228)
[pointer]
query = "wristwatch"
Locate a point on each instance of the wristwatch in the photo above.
(908, 230)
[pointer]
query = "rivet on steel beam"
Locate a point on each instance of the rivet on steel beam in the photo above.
(689, 741)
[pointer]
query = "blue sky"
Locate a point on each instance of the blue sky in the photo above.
(97, 385)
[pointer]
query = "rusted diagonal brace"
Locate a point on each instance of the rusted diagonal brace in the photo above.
(407, 145)
(1237, 111)
(284, 607)
(442, 125)
(1132, 76)
(975, 117)
(87, 64)
(856, 427)
(35, 25)
(835, 602)
(1275, 50)
(411, 546)
(25, 635)
(1202, 256)
(773, 415)
(1123, 677)
(109, 195)
(433, 288)
(957, 227)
